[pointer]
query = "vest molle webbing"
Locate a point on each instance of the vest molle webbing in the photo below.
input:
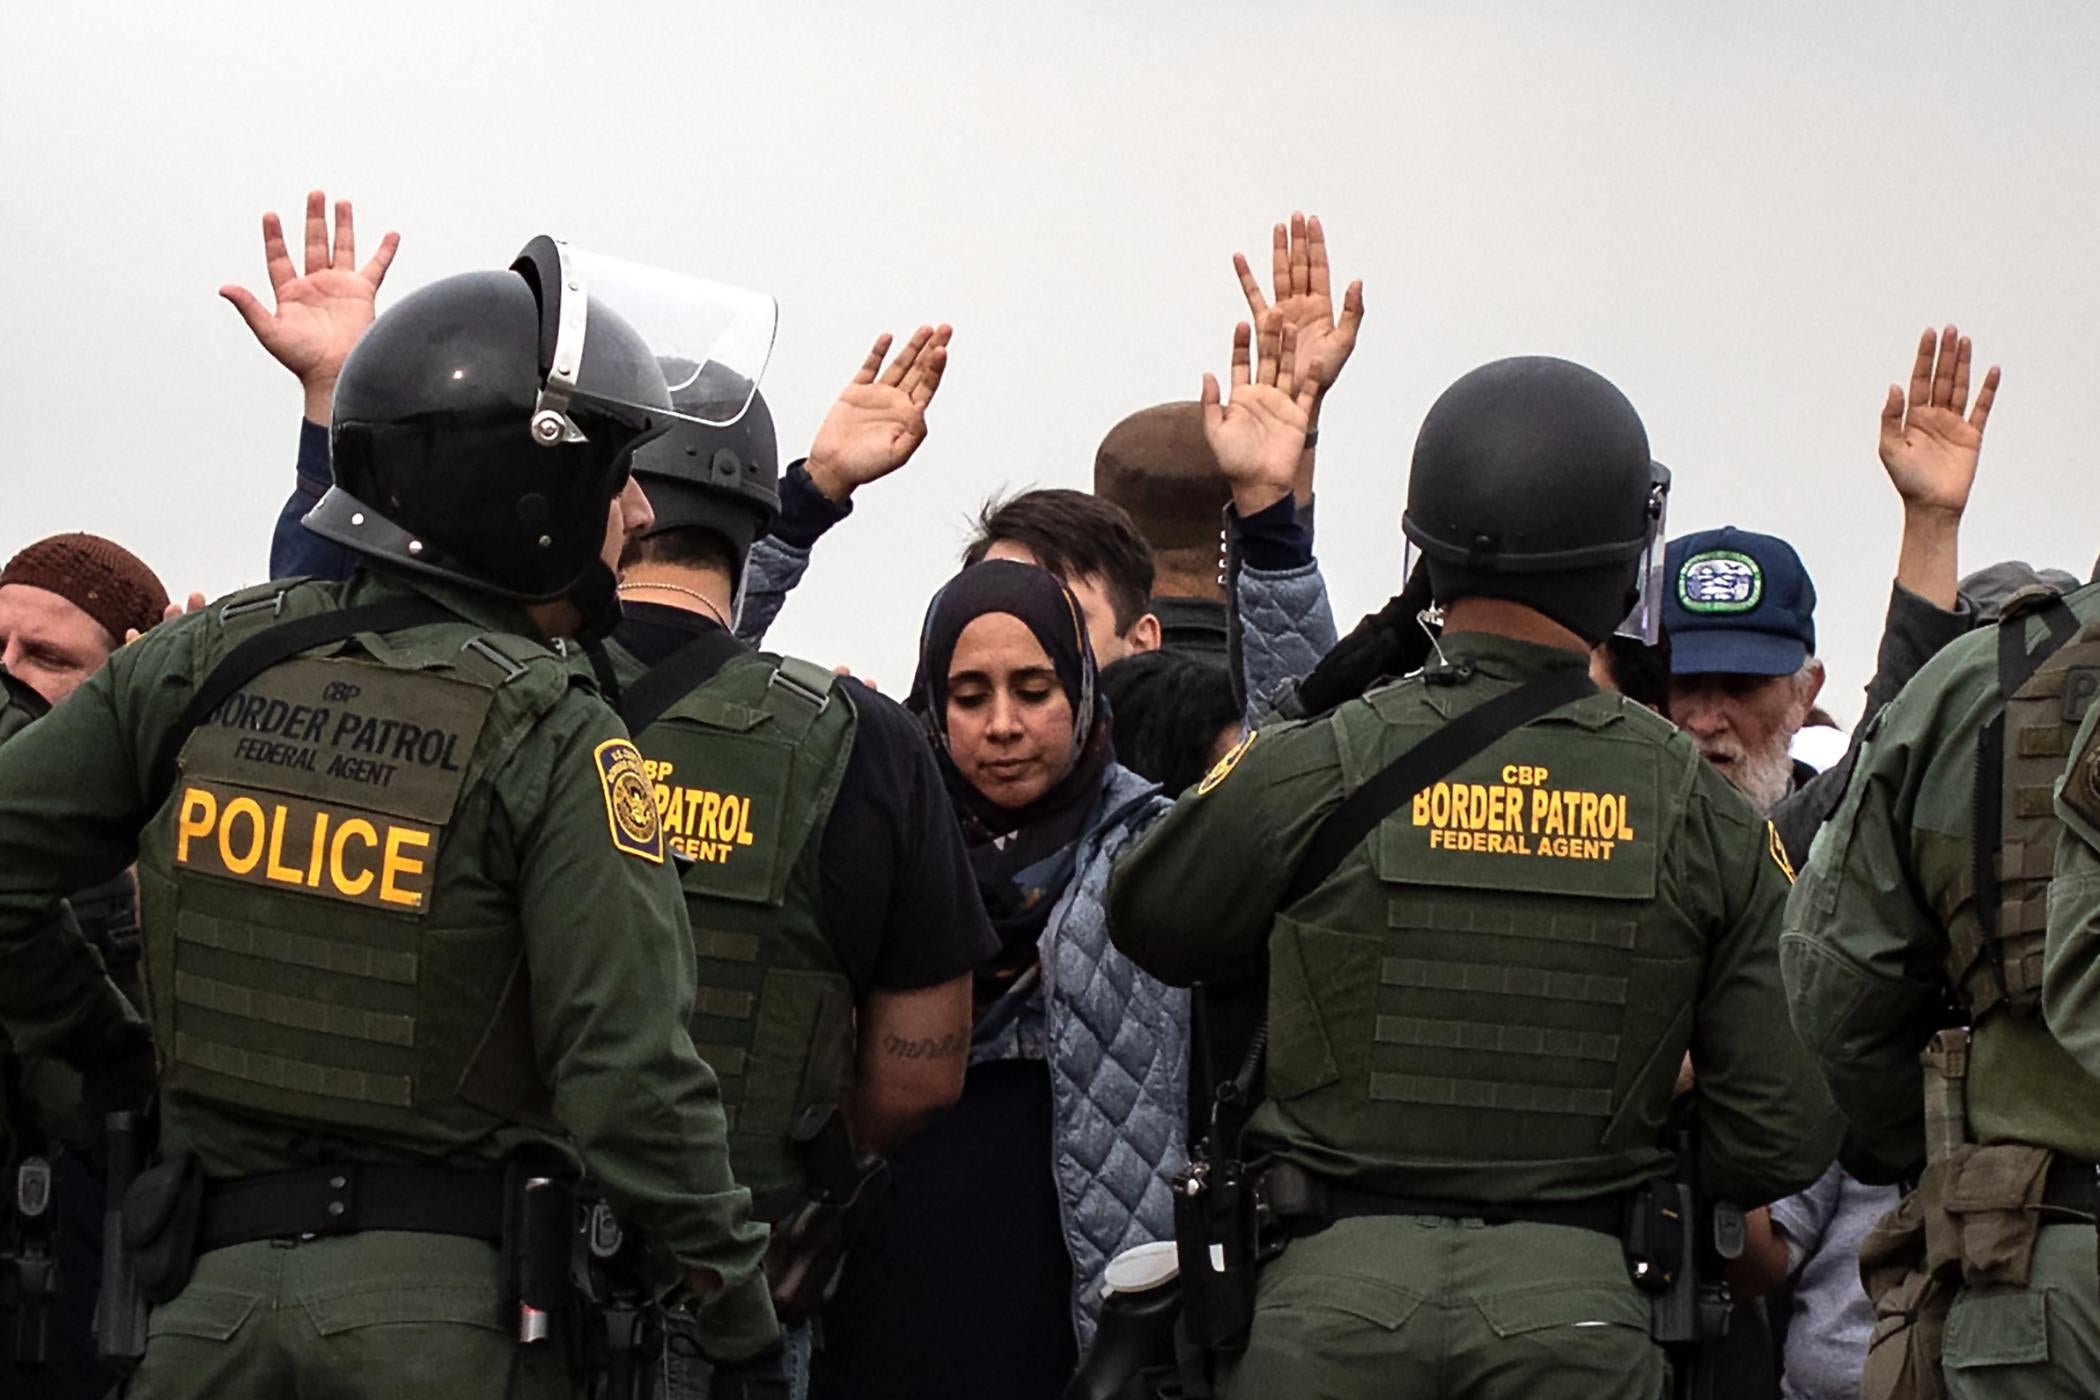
(2049, 672)
(327, 946)
(746, 769)
(1500, 989)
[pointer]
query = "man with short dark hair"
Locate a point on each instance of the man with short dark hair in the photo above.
(1090, 543)
(827, 879)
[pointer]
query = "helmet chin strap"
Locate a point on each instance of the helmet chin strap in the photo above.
(597, 598)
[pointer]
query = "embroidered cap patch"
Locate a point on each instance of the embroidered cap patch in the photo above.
(1720, 581)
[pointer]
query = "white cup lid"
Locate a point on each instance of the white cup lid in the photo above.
(1141, 1268)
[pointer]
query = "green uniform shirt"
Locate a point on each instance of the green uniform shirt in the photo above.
(1491, 997)
(607, 954)
(1866, 939)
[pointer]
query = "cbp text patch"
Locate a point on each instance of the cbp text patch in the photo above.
(630, 800)
(1557, 811)
(699, 823)
(1720, 581)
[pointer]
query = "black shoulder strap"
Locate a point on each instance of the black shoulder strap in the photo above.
(1396, 784)
(2016, 664)
(275, 644)
(678, 675)
(2016, 667)
(602, 669)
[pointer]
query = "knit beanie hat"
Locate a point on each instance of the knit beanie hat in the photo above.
(103, 579)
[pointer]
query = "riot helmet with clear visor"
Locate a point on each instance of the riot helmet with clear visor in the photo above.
(1643, 623)
(1531, 481)
(721, 478)
(483, 426)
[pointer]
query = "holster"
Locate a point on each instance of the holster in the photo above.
(1217, 1242)
(29, 1278)
(807, 1252)
(620, 1338)
(1910, 1299)
(160, 1214)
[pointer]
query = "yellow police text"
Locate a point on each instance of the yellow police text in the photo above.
(314, 848)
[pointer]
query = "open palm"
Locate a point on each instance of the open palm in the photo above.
(319, 316)
(1932, 440)
(1305, 300)
(1259, 435)
(879, 419)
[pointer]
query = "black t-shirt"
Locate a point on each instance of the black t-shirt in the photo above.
(900, 904)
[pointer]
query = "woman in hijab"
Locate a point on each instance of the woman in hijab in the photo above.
(983, 1276)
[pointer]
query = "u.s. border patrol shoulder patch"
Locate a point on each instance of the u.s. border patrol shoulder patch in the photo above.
(1720, 581)
(2081, 786)
(1222, 769)
(1779, 856)
(630, 800)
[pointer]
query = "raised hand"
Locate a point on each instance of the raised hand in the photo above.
(879, 419)
(320, 315)
(1259, 435)
(168, 614)
(1304, 296)
(1929, 448)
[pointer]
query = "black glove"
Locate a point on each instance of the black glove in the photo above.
(1389, 642)
(121, 1085)
(763, 1377)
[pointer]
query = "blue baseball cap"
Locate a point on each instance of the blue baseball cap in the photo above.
(1739, 604)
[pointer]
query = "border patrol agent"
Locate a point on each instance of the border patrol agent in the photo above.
(1477, 1012)
(750, 756)
(1920, 925)
(413, 944)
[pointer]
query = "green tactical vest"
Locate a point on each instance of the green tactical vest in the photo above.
(2001, 967)
(2023, 1085)
(326, 945)
(1511, 982)
(746, 768)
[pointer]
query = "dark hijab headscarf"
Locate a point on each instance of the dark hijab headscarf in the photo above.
(1024, 857)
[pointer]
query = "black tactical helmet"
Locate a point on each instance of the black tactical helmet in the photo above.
(1532, 482)
(459, 453)
(724, 479)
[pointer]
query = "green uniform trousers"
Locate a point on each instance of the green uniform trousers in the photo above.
(382, 1315)
(2041, 1340)
(1422, 1307)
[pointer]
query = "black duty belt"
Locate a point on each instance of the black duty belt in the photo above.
(1299, 1198)
(2072, 1188)
(346, 1199)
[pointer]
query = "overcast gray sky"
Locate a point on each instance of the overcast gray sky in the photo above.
(1741, 214)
